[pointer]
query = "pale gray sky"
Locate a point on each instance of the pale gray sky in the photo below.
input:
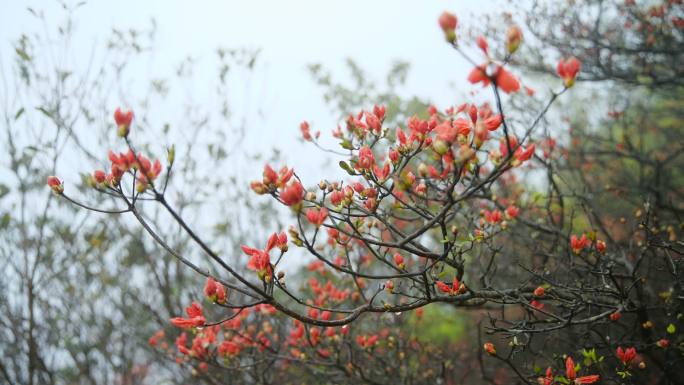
(291, 35)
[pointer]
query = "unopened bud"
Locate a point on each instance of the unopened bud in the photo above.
(55, 184)
(441, 147)
(171, 154)
(454, 230)
(513, 39)
(423, 170)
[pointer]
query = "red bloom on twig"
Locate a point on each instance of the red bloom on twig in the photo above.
(292, 194)
(55, 184)
(506, 81)
(447, 21)
(503, 79)
(626, 356)
(194, 319)
(259, 260)
(578, 244)
(568, 69)
(215, 291)
(317, 217)
(123, 121)
(455, 288)
(572, 375)
(366, 158)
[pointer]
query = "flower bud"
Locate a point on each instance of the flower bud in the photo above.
(123, 121)
(258, 187)
(55, 184)
(90, 181)
(389, 286)
(99, 176)
(489, 348)
(447, 21)
(171, 154)
(513, 39)
(441, 147)
(423, 170)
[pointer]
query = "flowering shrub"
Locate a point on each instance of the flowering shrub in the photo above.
(437, 210)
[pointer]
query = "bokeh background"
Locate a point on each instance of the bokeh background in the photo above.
(228, 84)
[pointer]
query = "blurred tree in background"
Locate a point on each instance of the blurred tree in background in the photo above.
(84, 291)
(573, 254)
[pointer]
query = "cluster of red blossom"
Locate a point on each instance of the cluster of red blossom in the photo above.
(548, 379)
(144, 170)
(581, 243)
(655, 17)
(453, 137)
(207, 342)
(260, 259)
(570, 374)
(625, 356)
(456, 127)
(238, 334)
(490, 71)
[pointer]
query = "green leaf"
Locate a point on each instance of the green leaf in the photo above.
(346, 167)
(5, 221)
(22, 54)
(347, 145)
(671, 329)
(19, 113)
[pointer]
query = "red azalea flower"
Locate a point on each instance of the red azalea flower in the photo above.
(626, 356)
(317, 217)
(455, 288)
(568, 69)
(366, 158)
(292, 194)
(479, 74)
(601, 246)
(195, 317)
(215, 291)
(448, 21)
(577, 244)
(572, 375)
(506, 81)
(123, 121)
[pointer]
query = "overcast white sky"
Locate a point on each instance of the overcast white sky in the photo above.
(291, 35)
